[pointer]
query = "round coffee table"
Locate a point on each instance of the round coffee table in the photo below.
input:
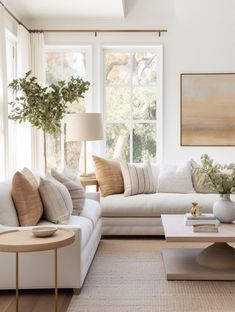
(25, 241)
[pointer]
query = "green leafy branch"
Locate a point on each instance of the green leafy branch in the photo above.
(219, 177)
(44, 107)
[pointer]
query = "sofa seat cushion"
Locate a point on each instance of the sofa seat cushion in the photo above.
(91, 210)
(84, 224)
(153, 205)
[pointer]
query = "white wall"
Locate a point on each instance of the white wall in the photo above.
(200, 38)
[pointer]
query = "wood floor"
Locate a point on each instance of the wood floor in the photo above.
(35, 300)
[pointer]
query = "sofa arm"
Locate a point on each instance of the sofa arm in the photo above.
(93, 195)
(4, 229)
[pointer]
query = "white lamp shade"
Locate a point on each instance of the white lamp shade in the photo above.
(84, 127)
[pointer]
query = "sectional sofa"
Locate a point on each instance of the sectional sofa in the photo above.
(115, 215)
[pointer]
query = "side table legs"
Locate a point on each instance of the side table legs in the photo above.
(17, 281)
(56, 280)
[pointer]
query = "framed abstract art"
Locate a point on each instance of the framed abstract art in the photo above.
(208, 109)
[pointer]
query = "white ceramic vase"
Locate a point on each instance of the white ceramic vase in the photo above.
(224, 209)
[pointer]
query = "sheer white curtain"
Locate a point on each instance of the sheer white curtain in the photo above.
(20, 134)
(4, 150)
(37, 67)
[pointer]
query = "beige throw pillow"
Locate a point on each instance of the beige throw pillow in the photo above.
(75, 189)
(138, 179)
(175, 178)
(109, 176)
(30, 177)
(56, 200)
(26, 198)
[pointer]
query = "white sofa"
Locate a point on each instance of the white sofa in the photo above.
(36, 269)
(141, 214)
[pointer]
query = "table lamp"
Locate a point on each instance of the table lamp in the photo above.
(84, 127)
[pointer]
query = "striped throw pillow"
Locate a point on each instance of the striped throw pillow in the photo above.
(138, 179)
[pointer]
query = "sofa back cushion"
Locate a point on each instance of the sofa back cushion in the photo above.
(175, 179)
(26, 198)
(109, 176)
(155, 171)
(75, 189)
(8, 215)
(138, 179)
(56, 200)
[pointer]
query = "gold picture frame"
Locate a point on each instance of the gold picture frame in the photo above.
(207, 109)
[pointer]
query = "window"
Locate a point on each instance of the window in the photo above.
(61, 64)
(131, 100)
(132, 91)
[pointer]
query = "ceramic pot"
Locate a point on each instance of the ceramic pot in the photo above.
(224, 209)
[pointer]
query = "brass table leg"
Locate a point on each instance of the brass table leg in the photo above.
(56, 280)
(17, 282)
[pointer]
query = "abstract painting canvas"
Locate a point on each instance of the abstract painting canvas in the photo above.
(208, 109)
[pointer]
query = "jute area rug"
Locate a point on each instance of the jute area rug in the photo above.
(128, 276)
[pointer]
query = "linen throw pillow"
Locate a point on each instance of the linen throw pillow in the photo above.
(30, 177)
(175, 179)
(138, 179)
(109, 176)
(75, 189)
(26, 198)
(56, 200)
(196, 184)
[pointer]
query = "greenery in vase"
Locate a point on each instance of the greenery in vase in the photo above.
(219, 177)
(44, 107)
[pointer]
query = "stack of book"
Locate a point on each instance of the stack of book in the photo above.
(205, 222)
(205, 228)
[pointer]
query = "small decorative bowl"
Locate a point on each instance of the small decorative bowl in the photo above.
(45, 231)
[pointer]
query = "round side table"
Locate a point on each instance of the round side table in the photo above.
(25, 241)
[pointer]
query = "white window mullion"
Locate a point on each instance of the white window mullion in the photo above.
(131, 111)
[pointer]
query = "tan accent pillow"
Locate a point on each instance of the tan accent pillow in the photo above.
(75, 189)
(56, 200)
(109, 176)
(27, 199)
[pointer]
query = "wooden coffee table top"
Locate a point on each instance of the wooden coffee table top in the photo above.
(25, 241)
(176, 231)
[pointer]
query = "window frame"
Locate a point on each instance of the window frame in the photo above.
(125, 48)
(87, 49)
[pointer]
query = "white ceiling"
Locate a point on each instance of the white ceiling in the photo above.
(66, 9)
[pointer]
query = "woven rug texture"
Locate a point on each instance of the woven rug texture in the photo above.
(127, 275)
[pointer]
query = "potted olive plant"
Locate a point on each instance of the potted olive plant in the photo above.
(44, 107)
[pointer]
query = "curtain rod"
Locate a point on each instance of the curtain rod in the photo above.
(13, 16)
(159, 31)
